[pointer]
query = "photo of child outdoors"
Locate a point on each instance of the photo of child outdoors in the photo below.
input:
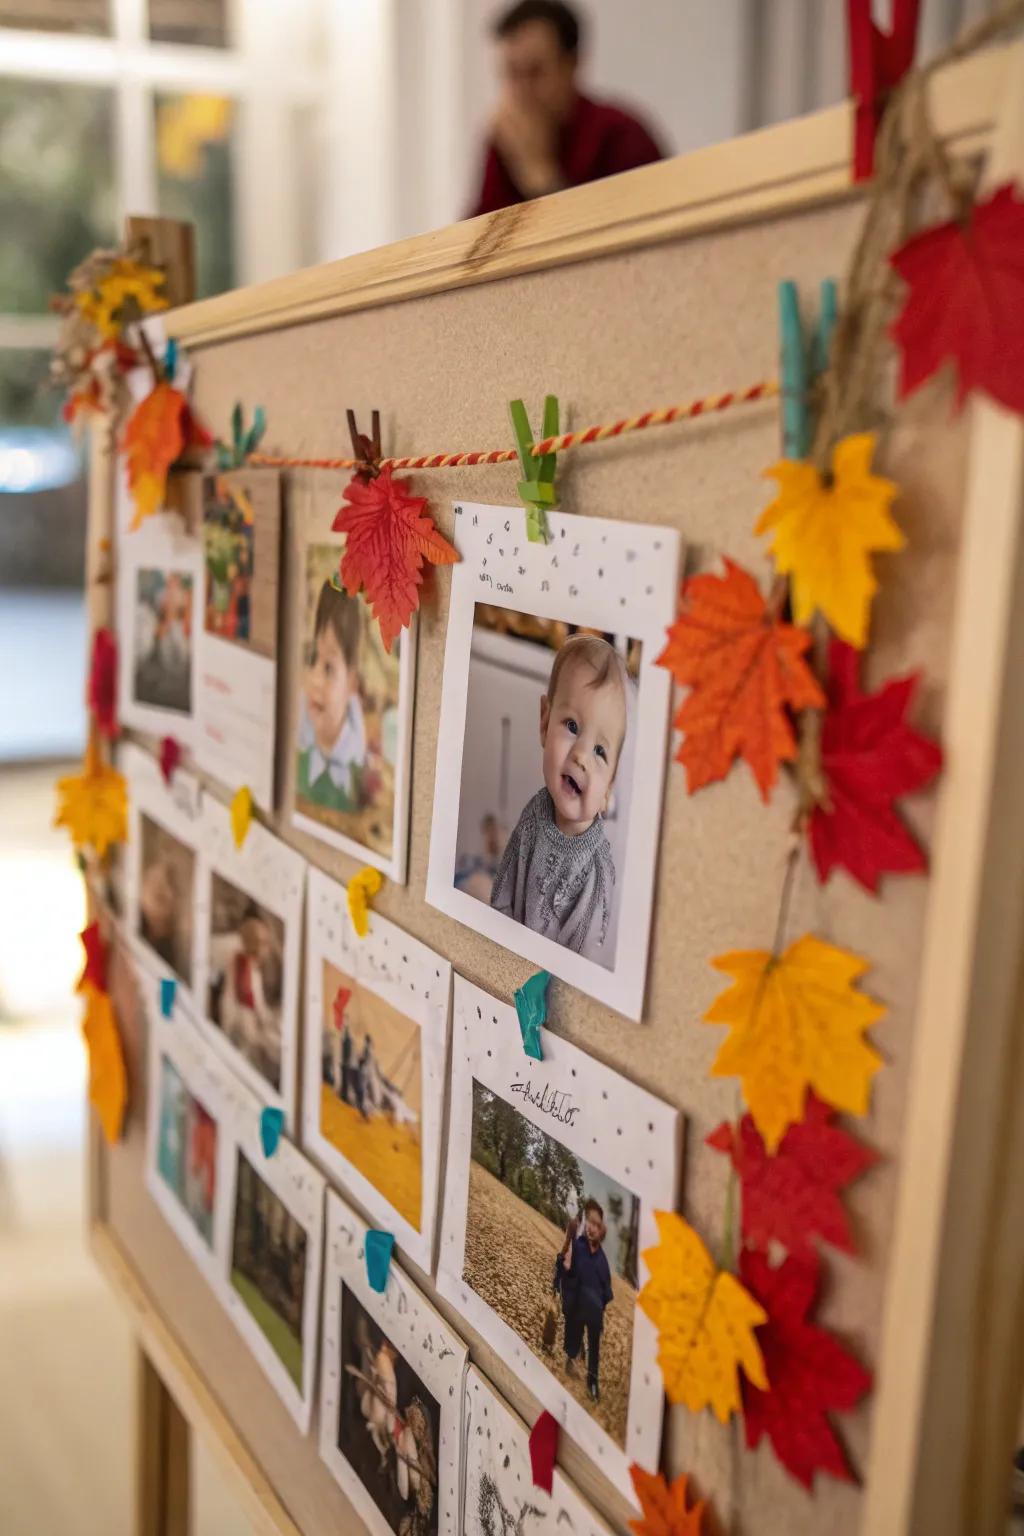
(371, 1090)
(547, 776)
(162, 659)
(268, 1266)
(551, 1246)
(166, 882)
(348, 721)
(228, 548)
(187, 1149)
(247, 976)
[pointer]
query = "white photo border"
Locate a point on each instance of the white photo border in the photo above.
(402, 1311)
(614, 1125)
(416, 982)
(616, 577)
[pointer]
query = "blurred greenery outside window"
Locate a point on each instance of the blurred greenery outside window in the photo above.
(202, 23)
(194, 143)
(88, 16)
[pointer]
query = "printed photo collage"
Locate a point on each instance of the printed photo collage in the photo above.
(416, 1102)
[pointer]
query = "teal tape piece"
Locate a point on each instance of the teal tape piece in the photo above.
(378, 1248)
(531, 1001)
(271, 1126)
(168, 989)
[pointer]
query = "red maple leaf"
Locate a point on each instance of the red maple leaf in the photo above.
(793, 1197)
(170, 757)
(965, 302)
(101, 694)
(870, 756)
(97, 954)
(743, 667)
(810, 1373)
(389, 537)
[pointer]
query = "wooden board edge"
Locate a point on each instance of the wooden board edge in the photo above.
(190, 1390)
(790, 165)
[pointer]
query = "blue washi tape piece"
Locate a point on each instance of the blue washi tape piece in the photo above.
(378, 1248)
(168, 988)
(532, 1008)
(271, 1126)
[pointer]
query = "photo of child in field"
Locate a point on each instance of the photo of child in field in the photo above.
(551, 1246)
(268, 1265)
(162, 659)
(228, 548)
(371, 1090)
(166, 883)
(247, 976)
(348, 720)
(388, 1424)
(187, 1149)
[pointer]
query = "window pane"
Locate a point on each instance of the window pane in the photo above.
(194, 180)
(189, 21)
(57, 15)
(42, 482)
(56, 186)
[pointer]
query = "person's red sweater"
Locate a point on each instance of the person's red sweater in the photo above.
(596, 140)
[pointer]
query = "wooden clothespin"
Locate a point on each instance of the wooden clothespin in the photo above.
(801, 364)
(536, 490)
(365, 450)
(878, 62)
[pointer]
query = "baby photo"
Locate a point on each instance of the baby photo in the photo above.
(162, 642)
(167, 871)
(246, 976)
(268, 1266)
(547, 773)
(349, 742)
(187, 1149)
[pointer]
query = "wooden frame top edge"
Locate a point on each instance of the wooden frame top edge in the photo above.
(774, 170)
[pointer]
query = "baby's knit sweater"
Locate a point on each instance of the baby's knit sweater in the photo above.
(558, 886)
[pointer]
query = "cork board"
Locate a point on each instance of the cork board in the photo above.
(659, 323)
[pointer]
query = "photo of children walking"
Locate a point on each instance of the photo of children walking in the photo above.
(551, 1246)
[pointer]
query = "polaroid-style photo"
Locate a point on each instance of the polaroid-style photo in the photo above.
(552, 743)
(188, 1134)
(165, 897)
(249, 952)
(554, 1172)
(501, 1496)
(160, 595)
(390, 1392)
(376, 1051)
(273, 1241)
(353, 734)
(237, 613)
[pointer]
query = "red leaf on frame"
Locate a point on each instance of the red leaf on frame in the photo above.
(170, 757)
(810, 1374)
(870, 756)
(543, 1450)
(743, 668)
(389, 535)
(965, 301)
(101, 695)
(97, 954)
(793, 1198)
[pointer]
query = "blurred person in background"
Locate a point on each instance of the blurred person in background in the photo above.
(545, 134)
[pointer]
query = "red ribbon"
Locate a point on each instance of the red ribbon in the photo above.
(878, 62)
(543, 1449)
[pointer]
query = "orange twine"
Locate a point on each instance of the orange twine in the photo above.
(689, 411)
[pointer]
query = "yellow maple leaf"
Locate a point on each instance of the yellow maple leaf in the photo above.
(125, 292)
(241, 814)
(108, 1080)
(824, 532)
(797, 1023)
(93, 804)
(705, 1320)
(360, 889)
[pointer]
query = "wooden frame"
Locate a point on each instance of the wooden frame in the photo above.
(949, 1378)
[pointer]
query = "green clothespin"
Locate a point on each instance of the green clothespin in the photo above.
(234, 454)
(801, 365)
(537, 487)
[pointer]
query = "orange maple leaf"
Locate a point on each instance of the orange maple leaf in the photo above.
(664, 1506)
(108, 1079)
(743, 667)
(159, 428)
(388, 538)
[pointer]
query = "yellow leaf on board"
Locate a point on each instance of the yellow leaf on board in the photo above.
(705, 1320)
(241, 814)
(824, 532)
(360, 888)
(126, 291)
(93, 804)
(798, 1022)
(108, 1080)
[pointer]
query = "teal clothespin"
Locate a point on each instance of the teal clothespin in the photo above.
(537, 487)
(168, 987)
(171, 360)
(532, 1007)
(801, 365)
(234, 454)
(271, 1126)
(378, 1248)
